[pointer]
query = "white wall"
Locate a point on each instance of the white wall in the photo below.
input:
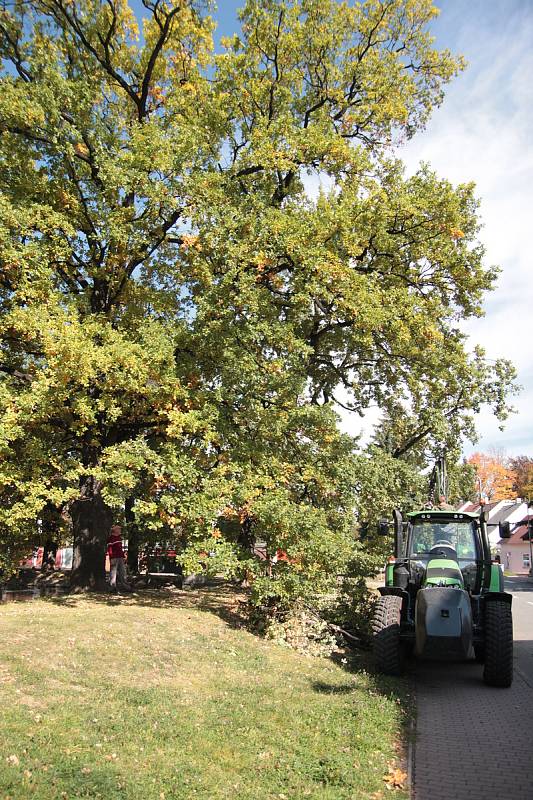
(511, 556)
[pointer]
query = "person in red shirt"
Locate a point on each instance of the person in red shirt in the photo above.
(117, 560)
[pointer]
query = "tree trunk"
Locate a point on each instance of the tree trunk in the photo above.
(91, 522)
(133, 536)
(50, 522)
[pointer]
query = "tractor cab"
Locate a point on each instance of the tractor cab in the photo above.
(444, 549)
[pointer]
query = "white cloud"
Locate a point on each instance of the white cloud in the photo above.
(482, 132)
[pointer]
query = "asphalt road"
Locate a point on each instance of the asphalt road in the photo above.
(471, 740)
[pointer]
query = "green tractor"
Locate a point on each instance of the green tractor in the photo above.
(443, 597)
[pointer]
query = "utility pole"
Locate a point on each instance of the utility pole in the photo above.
(530, 531)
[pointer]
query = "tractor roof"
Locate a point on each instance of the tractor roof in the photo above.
(440, 513)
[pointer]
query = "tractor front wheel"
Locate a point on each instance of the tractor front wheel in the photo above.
(388, 652)
(498, 644)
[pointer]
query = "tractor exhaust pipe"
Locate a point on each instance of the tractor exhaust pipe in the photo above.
(398, 533)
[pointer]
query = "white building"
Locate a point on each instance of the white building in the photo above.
(512, 511)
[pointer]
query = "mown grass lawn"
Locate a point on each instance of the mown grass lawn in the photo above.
(159, 697)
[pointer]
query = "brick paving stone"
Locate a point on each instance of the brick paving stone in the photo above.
(471, 740)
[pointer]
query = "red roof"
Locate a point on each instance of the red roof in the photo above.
(520, 534)
(473, 507)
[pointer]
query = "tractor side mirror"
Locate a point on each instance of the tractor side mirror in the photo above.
(383, 527)
(505, 530)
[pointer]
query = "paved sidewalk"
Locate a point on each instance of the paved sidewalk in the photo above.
(472, 741)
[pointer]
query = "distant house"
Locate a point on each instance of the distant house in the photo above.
(511, 511)
(63, 559)
(515, 552)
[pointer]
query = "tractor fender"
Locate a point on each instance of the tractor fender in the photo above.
(502, 596)
(397, 592)
(383, 590)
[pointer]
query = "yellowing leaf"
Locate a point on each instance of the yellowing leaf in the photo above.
(81, 150)
(396, 778)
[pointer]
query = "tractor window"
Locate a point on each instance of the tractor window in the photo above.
(459, 535)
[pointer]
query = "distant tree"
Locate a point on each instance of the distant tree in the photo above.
(494, 475)
(461, 480)
(522, 468)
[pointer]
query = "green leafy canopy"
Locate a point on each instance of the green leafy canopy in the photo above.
(178, 315)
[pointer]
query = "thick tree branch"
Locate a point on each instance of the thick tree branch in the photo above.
(425, 431)
(163, 36)
(59, 10)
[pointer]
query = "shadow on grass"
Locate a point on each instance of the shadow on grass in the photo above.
(228, 602)
(225, 601)
(361, 661)
(328, 688)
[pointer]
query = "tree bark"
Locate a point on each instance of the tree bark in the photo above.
(133, 535)
(91, 522)
(50, 521)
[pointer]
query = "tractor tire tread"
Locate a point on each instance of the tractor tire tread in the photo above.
(498, 644)
(388, 651)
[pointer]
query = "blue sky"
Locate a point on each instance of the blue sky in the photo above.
(483, 132)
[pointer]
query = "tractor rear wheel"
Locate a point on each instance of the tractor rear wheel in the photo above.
(388, 651)
(498, 644)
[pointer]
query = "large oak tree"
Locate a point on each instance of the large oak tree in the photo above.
(180, 313)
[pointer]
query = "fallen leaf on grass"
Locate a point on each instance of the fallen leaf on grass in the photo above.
(13, 760)
(395, 779)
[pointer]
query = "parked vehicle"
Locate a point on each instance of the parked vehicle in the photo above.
(444, 597)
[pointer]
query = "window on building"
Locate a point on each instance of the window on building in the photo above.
(525, 560)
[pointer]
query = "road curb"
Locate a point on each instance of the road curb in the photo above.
(411, 760)
(411, 739)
